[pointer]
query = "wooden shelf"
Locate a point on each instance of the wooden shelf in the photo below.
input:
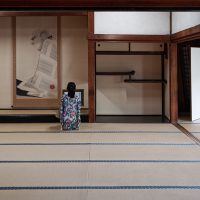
(130, 52)
(115, 73)
(144, 81)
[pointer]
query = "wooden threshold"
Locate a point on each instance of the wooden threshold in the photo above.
(186, 132)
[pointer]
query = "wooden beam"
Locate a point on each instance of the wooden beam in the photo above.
(91, 71)
(41, 13)
(100, 4)
(139, 38)
(173, 83)
(186, 35)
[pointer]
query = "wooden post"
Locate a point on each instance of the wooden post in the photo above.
(173, 83)
(91, 69)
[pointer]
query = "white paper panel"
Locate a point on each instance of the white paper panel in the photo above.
(143, 23)
(195, 83)
(184, 20)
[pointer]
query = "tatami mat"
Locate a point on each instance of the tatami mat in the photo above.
(165, 194)
(88, 127)
(140, 174)
(101, 161)
(44, 195)
(145, 153)
(193, 128)
(43, 174)
(44, 152)
(99, 174)
(65, 138)
(109, 152)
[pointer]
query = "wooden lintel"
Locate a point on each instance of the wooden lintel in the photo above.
(41, 13)
(129, 38)
(186, 35)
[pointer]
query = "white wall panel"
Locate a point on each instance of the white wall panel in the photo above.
(6, 64)
(184, 20)
(195, 83)
(143, 23)
(115, 97)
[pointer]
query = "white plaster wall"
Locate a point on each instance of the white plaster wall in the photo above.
(184, 20)
(74, 57)
(6, 64)
(142, 23)
(115, 97)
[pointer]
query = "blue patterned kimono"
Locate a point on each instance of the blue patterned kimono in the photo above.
(70, 112)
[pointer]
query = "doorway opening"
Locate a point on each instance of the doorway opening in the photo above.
(187, 80)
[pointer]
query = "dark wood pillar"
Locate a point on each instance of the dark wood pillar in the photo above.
(173, 83)
(91, 69)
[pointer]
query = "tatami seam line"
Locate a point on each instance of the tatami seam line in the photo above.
(99, 143)
(99, 161)
(126, 187)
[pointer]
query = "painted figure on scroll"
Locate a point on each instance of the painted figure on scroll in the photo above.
(70, 109)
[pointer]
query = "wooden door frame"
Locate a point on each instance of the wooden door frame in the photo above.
(91, 70)
(178, 38)
(92, 39)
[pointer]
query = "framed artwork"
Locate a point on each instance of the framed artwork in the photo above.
(36, 81)
(79, 93)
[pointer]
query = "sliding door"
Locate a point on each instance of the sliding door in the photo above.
(195, 83)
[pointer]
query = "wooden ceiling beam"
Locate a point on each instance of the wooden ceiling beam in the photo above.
(101, 4)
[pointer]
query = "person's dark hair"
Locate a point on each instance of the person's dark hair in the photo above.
(71, 88)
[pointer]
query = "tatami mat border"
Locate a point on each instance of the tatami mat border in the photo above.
(98, 144)
(99, 161)
(128, 187)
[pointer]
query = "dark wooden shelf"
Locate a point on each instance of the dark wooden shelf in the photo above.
(130, 52)
(144, 81)
(115, 73)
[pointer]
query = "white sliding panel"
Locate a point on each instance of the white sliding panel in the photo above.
(141, 23)
(184, 20)
(195, 83)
